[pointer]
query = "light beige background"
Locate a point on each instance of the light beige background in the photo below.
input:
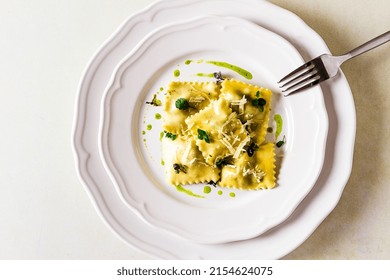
(44, 211)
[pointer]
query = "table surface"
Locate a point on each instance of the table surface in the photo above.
(45, 212)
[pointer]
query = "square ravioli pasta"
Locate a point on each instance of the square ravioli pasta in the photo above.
(252, 104)
(184, 163)
(218, 132)
(251, 172)
(184, 99)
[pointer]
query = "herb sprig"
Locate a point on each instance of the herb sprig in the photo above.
(182, 104)
(155, 101)
(202, 135)
(170, 135)
(218, 76)
(179, 168)
(223, 161)
(251, 149)
(259, 102)
(280, 143)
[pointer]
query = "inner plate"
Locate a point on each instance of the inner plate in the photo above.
(130, 134)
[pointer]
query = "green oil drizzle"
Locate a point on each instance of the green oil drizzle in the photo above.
(279, 125)
(180, 188)
(176, 73)
(143, 132)
(157, 116)
(220, 192)
(161, 88)
(207, 189)
(162, 162)
(149, 127)
(246, 74)
(232, 194)
(188, 62)
(211, 75)
(161, 135)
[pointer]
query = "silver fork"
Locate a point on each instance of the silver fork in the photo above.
(324, 67)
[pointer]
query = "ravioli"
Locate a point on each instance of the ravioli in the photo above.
(191, 166)
(227, 136)
(251, 173)
(198, 95)
(245, 100)
(219, 133)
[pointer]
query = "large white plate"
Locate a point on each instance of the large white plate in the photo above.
(216, 218)
(125, 223)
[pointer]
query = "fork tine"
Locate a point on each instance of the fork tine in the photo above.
(308, 82)
(310, 72)
(305, 78)
(296, 71)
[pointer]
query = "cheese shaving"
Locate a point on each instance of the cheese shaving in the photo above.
(240, 147)
(228, 145)
(240, 103)
(255, 172)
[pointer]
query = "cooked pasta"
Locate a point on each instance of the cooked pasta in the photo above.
(220, 133)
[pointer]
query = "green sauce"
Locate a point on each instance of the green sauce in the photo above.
(162, 162)
(157, 116)
(211, 75)
(207, 189)
(246, 74)
(161, 135)
(161, 88)
(232, 194)
(180, 188)
(279, 125)
(149, 127)
(220, 192)
(188, 62)
(176, 73)
(143, 132)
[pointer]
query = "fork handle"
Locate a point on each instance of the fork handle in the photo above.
(376, 42)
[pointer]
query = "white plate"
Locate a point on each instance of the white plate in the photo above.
(125, 223)
(216, 218)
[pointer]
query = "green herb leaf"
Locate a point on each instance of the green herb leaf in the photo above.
(281, 142)
(251, 149)
(262, 101)
(182, 104)
(223, 161)
(202, 135)
(214, 184)
(170, 135)
(259, 102)
(179, 168)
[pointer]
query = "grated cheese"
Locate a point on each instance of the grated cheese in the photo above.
(255, 172)
(228, 145)
(240, 103)
(240, 147)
